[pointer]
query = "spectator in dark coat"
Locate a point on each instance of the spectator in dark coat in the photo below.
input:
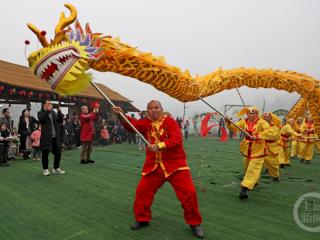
(68, 133)
(4, 144)
(50, 137)
(26, 127)
(132, 137)
(76, 131)
(221, 126)
(186, 129)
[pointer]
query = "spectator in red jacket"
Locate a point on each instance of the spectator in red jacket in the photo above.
(86, 133)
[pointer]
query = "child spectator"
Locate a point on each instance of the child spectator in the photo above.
(14, 144)
(104, 136)
(35, 137)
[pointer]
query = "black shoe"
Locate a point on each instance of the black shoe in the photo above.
(282, 165)
(288, 165)
(83, 162)
(243, 193)
(197, 231)
(302, 161)
(137, 225)
(90, 161)
(276, 179)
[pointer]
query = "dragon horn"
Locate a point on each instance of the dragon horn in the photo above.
(64, 22)
(39, 34)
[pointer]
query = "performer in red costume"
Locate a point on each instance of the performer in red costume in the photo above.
(165, 161)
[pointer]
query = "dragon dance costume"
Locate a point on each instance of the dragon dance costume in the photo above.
(169, 164)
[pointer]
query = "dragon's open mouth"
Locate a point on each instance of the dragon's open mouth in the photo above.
(55, 65)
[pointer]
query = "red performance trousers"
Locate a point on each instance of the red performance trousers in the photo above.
(181, 181)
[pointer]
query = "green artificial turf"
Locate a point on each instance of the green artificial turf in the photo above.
(95, 201)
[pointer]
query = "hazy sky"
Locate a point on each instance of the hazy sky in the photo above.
(199, 35)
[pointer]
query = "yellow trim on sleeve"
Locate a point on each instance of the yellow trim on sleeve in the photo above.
(161, 145)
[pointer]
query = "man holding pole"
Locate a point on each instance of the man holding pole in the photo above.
(273, 149)
(165, 161)
(252, 147)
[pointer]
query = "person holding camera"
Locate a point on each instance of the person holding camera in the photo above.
(50, 139)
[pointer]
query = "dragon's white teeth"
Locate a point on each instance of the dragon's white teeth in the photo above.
(75, 54)
(55, 73)
(56, 61)
(67, 55)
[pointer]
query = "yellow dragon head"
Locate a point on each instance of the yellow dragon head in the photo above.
(63, 61)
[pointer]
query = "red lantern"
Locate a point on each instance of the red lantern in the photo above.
(95, 104)
(1, 89)
(22, 92)
(30, 94)
(12, 91)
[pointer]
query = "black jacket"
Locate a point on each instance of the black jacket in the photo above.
(46, 129)
(4, 134)
(24, 131)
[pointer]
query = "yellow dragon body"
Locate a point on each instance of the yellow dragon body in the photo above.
(65, 60)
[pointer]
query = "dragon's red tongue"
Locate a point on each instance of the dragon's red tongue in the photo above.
(51, 69)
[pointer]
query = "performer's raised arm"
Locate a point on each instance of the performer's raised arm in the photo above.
(132, 120)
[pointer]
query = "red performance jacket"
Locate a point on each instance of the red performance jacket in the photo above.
(166, 133)
(87, 127)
